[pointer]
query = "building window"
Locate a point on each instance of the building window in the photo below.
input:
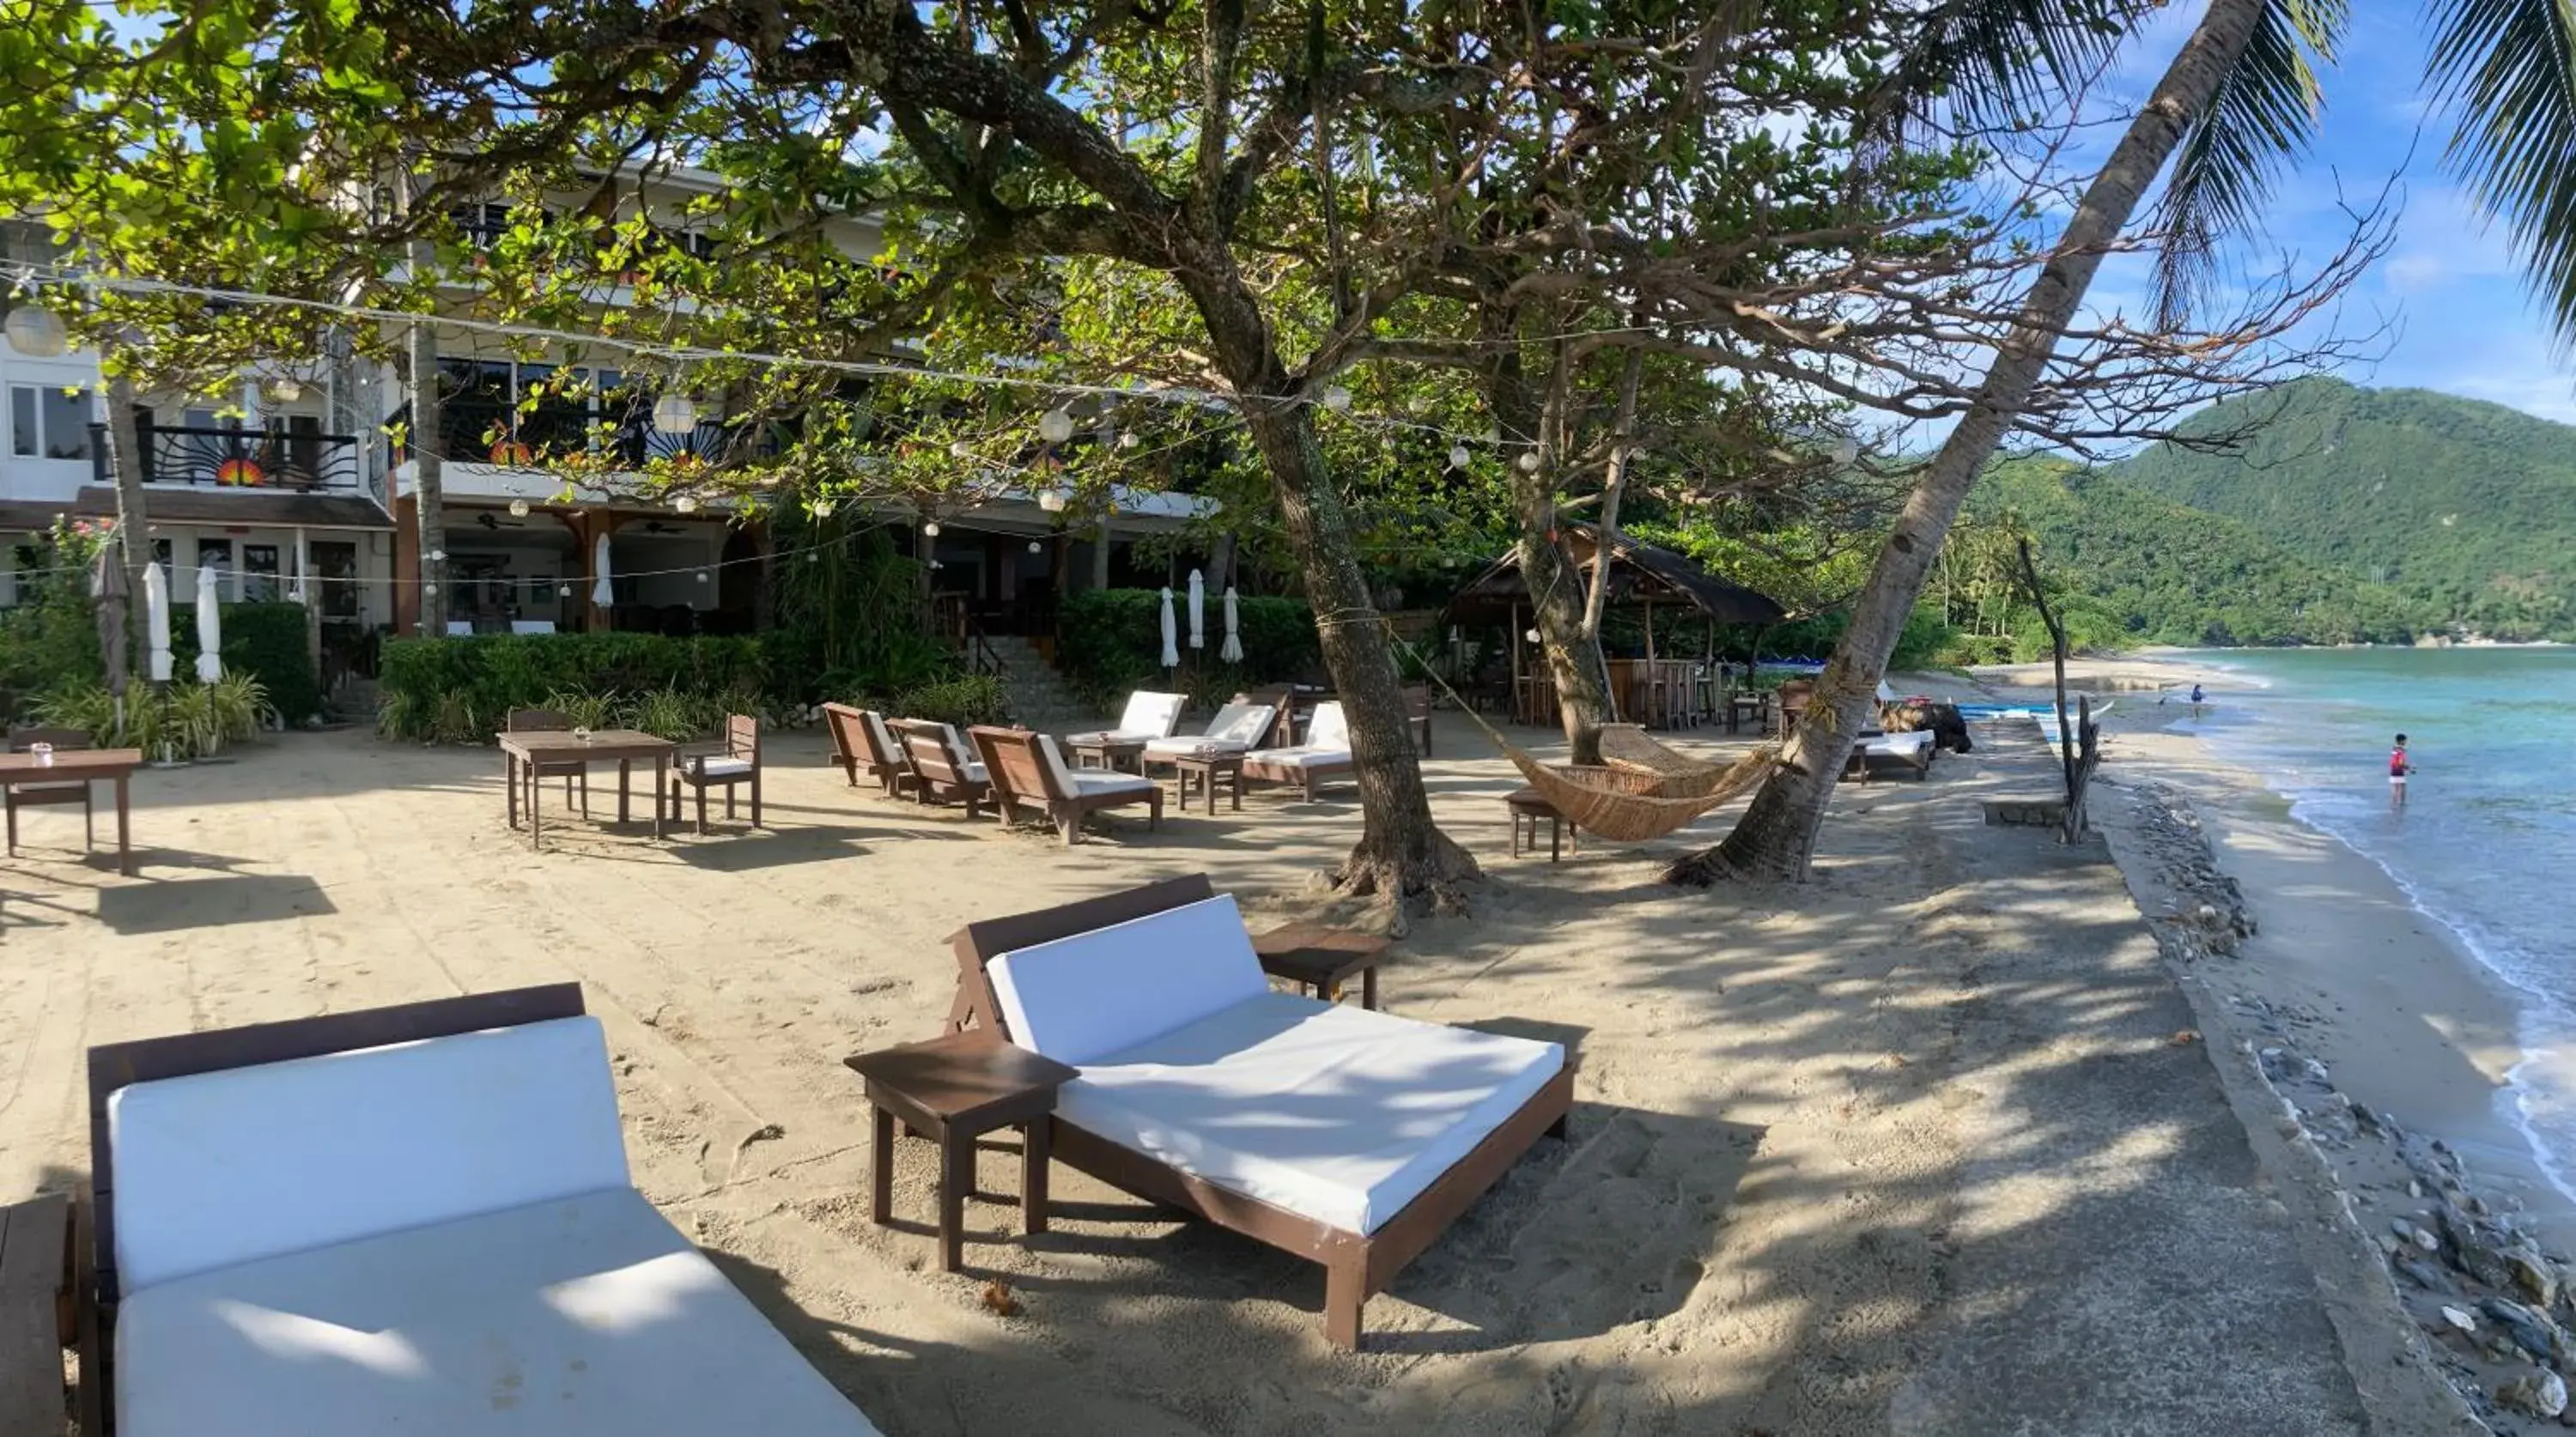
(259, 573)
(49, 421)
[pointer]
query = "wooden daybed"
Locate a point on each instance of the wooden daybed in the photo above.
(1179, 943)
(295, 1229)
(1027, 773)
(1903, 755)
(1323, 755)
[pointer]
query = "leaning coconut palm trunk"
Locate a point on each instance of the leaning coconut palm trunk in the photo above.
(1777, 836)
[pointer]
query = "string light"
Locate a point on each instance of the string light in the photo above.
(1130, 439)
(518, 508)
(930, 529)
(1037, 546)
(686, 504)
(1528, 461)
(1337, 399)
(1055, 426)
(1458, 456)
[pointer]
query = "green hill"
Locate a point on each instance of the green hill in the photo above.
(2465, 511)
(2143, 569)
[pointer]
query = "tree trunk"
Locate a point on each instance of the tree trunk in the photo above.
(133, 520)
(1777, 837)
(1572, 650)
(1401, 851)
(429, 493)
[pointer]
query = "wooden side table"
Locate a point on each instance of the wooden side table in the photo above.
(1529, 808)
(954, 1090)
(1102, 751)
(1322, 958)
(1207, 768)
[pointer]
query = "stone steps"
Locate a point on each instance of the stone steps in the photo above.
(1038, 696)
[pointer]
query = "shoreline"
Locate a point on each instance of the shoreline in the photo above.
(2393, 1000)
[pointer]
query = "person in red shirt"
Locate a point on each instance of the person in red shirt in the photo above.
(2398, 767)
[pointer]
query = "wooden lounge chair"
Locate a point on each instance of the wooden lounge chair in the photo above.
(736, 765)
(1905, 755)
(550, 721)
(1192, 1069)
(39, 795)
(862, 746)
(1148, 715)
(1325, 755)
(1239, 727)
(1029, 773)
(410, 1219)
(941, 769)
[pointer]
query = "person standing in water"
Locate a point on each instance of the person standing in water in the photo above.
(2398, 767)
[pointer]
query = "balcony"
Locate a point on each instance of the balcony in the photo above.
(478, 430)
(297, 461)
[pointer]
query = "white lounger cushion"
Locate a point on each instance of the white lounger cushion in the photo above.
(1329, 729)
(1333, 1112)
(723, 767)
(1301, 757)
(1091, 783)
(1899, 745)
(1082, 998)
(230, 1167)
(588, 1316)
(1235, 728)
(1148, 716)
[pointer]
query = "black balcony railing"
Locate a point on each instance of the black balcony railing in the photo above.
(476, 430)
(299, 460)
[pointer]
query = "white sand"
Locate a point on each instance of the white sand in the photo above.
(1907, 1149)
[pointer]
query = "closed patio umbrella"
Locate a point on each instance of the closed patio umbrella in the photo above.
(1232, 653)
(210, 627)
(156, 621)
(1171, 636)
(1198, 611)
(113, 600)
(600, 593)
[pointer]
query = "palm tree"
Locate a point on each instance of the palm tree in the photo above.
(2239, 98)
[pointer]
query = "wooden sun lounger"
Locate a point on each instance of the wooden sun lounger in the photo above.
(1866, 764)
(941, 769)
(857, 752)
(1356, 1265)
(79, 1308)
(1026, 775)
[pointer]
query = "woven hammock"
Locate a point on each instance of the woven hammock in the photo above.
(1644, 792)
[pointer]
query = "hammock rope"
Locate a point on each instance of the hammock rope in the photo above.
(1637, 796)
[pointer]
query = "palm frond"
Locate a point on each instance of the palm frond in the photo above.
(2507, 68)
(2264, 115)
(1999, 62)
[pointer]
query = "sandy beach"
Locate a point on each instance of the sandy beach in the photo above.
(1933, 1144)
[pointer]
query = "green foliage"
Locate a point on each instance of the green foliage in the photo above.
(191, 721)
(971, 699)
(2412, 510)
(265, 641)
(49, 638)
(1113, 643)
(849, 619)
(460, 690)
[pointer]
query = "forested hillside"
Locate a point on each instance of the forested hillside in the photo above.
(2466, 511)
(2139, 569)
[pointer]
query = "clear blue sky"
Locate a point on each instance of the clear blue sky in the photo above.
(2463, 321)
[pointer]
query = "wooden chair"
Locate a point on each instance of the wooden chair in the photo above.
(860, 747)
(941, 770)
(38, 795)
(736, 764)
(1795, 695)
(551, 721)
(1028, 771)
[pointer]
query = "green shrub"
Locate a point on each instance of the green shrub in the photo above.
(1112, 642)
(674, 714)
(974, 699)
(458, 690)
(266, 642)
(190, 721)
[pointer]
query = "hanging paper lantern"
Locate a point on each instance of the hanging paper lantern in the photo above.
(930, 529)
(518, 508)
(675, 414)
(1055, 426)
(1458, 456)
(686, 503)
(284, 389)
(37, 332)
(1337, 399)
(1051, 500)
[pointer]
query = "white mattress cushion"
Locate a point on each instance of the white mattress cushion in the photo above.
(884, 736)
(1095, 782)
(724, 767)
(1331, 1111)
(1057, 769)
(225, 1168)
(1901, 745)
(1185, 746)
(1306, 757)
(1095, 993)
(1150, 715)
(579, 1316)
(974, 771)
(1330, 729)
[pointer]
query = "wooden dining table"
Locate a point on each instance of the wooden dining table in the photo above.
(83, 766)
(521, 753)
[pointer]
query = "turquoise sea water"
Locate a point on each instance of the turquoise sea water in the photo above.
(2487, 840)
